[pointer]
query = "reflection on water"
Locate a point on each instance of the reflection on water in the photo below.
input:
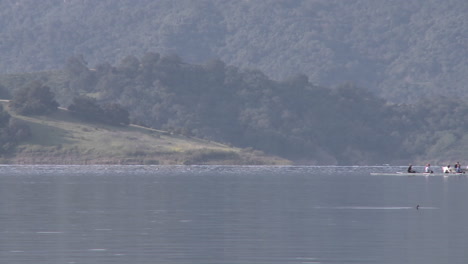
(229, 214)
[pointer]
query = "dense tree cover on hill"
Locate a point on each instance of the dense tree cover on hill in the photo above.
(11, 131)
(293, 118)
(399, 49)
(89, 109)
(34, 99)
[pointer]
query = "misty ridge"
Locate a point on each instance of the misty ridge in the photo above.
(400, 50)
(317, 82)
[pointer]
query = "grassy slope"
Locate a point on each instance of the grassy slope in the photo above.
(63, 139)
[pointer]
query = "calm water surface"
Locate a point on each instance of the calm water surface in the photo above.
(223, 214)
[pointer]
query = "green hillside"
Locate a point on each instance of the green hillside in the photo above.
(293, 119)
(400, 49)
(62, 139)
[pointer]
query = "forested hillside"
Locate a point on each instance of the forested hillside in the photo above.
(401, 50)
(293, 118)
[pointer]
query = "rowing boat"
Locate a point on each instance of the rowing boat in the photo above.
(415, 174)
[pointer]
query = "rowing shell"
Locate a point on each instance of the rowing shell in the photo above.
(415, 174)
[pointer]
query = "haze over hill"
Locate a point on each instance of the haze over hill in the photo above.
(402, 50)
(293, 119)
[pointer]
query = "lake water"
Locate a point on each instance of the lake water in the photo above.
(229, 214)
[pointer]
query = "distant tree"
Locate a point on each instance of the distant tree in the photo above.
(173, 59)
(149, 60)
(76, 65)
(129, 66)
(103, 69)
(216, 70)
(115, 114)
(11, 131)
(4, 93)
(34, 99)
(87, 108)
(149, 63)
(111, 85)
(4, 117)
(18, 129)
(80, 77)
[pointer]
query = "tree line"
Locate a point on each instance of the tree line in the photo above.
(36, 98)
(293, 118)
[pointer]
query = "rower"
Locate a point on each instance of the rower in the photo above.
(458, 167)
(428, 169)
(410, 169)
